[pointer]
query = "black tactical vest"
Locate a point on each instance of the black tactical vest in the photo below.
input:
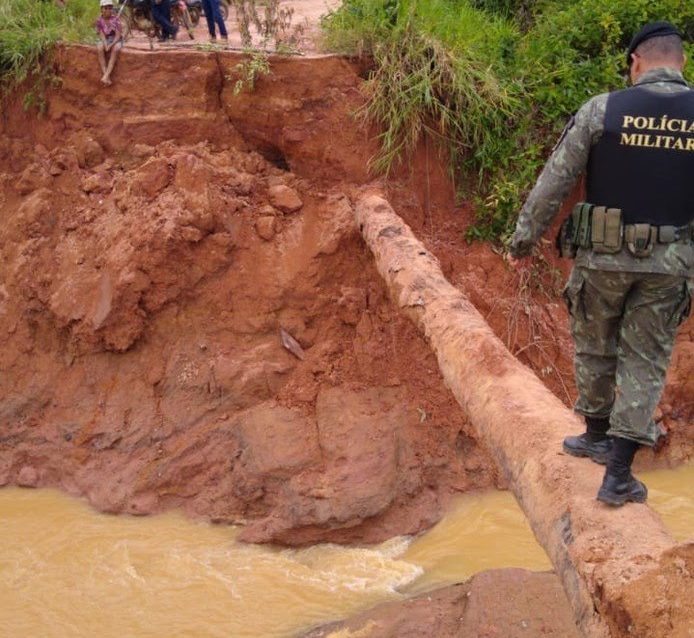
(644, 161)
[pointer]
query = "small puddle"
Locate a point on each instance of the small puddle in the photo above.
(67, 571)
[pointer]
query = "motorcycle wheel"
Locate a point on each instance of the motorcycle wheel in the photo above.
(127, 22)
(182, 18)
(224, 8)
(194, 13)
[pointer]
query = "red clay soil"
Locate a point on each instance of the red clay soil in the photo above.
(194, 321)
(193, 325)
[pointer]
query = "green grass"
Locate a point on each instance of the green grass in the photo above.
(29, 30)
(494, 80)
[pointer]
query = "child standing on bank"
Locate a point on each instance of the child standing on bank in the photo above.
(110, 33)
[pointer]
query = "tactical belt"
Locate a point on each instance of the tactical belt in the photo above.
(601, 230)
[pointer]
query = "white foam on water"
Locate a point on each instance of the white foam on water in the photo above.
(69, 572)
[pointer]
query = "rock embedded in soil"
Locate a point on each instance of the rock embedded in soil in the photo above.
(266, 227)
(284, 198)
(28, 477)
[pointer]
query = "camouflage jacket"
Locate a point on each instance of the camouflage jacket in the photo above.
(563, 169)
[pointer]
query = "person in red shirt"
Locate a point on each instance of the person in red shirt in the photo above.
(110, 33)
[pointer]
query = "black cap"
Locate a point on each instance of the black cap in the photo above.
(651, 30)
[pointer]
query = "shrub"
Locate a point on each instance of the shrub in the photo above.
(495, 80)
(29, 29)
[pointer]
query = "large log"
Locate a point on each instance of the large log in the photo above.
(622, 572)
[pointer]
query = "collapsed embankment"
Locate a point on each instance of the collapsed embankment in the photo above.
(192, 318)
(194, 321)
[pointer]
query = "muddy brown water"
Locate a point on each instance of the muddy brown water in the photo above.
(67, 571)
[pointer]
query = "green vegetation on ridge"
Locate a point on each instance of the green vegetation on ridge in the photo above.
(29, 30)
(494, 80)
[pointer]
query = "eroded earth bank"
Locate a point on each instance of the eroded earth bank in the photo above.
(193, 320)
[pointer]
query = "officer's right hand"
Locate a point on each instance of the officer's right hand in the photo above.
(519, 263)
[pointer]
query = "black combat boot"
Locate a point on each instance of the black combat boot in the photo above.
(593, 443)
(619, 485)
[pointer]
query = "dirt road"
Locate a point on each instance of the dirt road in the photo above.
(303, 30)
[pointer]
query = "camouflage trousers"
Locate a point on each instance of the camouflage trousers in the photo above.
(624, 326)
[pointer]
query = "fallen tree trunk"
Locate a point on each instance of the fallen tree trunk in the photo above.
(621, 569)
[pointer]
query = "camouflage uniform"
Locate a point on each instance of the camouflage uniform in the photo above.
(624, 309)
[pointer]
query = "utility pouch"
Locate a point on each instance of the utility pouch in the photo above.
(582, 233)
(565, 238)
(575, 219)
(640, 238)
(606, 230)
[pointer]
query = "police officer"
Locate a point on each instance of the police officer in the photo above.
(629, 288)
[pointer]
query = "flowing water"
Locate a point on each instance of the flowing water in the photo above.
(69, 572)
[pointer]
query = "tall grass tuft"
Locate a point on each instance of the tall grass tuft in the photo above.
(432, 73)
(29, 30)
(418, 85)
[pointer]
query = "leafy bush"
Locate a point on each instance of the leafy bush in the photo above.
(496, 80)
(359, 25)
(29, 29)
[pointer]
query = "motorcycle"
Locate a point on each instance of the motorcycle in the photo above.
(224, 7)
(137, 15)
